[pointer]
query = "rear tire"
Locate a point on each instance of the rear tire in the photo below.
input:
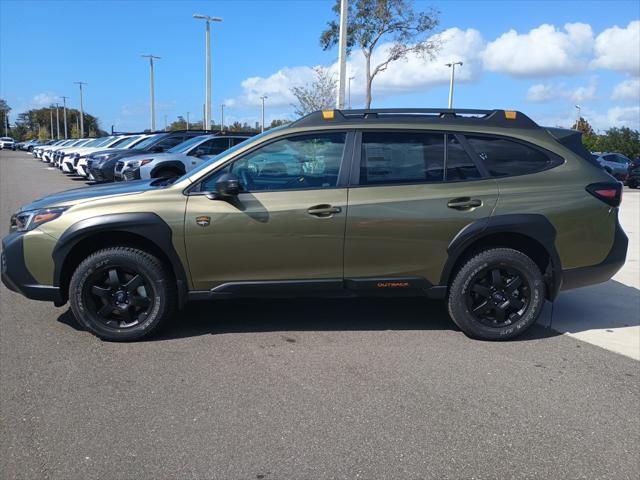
(497, 294)
(122, 294)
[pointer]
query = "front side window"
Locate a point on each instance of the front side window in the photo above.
(300, 162)
(401, 157)
(504, 157)
(212, 147)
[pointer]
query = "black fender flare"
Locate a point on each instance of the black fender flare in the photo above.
(172, 164)
(144, 224)
(532, 225)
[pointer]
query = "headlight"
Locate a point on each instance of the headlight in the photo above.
(25, 221)
(138, 163)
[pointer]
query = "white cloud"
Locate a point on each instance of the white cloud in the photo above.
(544, 51)
(627, 90)
(42, 100)
(409, 75)
(619, 49)
(547, 92)
(624, 116)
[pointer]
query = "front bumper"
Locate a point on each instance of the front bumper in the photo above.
(583, 276)
(16, 276)
(101, 172)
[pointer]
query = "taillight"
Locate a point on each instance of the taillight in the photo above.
(608, 192)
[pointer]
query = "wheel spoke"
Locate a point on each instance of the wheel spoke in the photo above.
(134, 283)
(496, 278)
(100, 291)
(139, 301)
(113, 280)
(513, 284)
(126, 314)
(500, 311)
(483, 308)
(481, 290)
(516, 303)
(105, 310)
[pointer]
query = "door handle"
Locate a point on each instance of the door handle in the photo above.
(323, 210)
(464, 203)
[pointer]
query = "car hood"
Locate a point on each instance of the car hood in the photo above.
(79, 195)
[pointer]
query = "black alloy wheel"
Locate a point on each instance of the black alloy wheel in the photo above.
(119, 296)
(498, 296)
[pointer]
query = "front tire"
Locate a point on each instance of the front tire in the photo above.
(122, 294)
(497, 294)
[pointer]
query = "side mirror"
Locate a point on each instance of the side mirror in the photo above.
(227, 186)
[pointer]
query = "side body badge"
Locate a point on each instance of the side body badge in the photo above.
(203, 220)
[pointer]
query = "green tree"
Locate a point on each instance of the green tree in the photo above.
(372, 22)
(583, 126)
(319, 95)
(4, 116)
(278, 123)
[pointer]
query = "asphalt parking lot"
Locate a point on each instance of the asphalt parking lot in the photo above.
(309, 388)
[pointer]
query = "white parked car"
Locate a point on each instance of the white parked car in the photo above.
(7, 143)
(47, 154)
(177, 160)
(58, 155)
(120, 142)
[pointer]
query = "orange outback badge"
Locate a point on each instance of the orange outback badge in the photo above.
(203, 220)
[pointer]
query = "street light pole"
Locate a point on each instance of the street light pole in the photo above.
(51, 114)
(151, 57)
(187, 120)
(81, 110)
(342, 53)
(349, 90)
(64, 109)
(165, 123)
(222, 117)
(207, 96)
(263, 98)
(58, 120)
(579, 108)
(452, 65)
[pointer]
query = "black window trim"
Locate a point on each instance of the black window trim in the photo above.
(354, 180)
(555, 160)
(346, 163)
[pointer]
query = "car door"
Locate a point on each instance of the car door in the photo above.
(408, 202)
(287, 224)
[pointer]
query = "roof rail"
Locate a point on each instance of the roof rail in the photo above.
(494, 118)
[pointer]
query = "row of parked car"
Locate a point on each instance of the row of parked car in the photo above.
(134, 156)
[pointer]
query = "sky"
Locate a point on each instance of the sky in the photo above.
(539, 57)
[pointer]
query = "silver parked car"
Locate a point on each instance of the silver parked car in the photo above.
(615, 164)
(177, 160)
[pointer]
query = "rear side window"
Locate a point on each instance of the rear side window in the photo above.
(459, 164)
(401, 157)
(504, 157)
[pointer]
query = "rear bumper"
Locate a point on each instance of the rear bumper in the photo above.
(583, 276)
(17, 277)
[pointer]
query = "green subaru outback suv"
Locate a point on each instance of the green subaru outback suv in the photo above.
(483, 209)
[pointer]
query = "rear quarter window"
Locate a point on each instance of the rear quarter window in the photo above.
(504, 158)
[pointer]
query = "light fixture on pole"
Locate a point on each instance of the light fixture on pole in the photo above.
(452, 65)
(64, 110)
(58, 120)
(263, 98)
(342, 53)
(349, 92)
(222, 117)
(81, 109)
(151, 57)
(207, 96)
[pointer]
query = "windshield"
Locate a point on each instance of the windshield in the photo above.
(235, 148)
(128, 141)
(185, 146)
(94, 142)
(149, 141)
